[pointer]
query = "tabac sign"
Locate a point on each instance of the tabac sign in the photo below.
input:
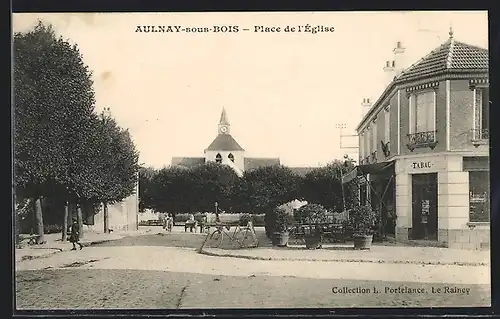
(424, 165)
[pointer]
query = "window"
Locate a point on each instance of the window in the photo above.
(368, 146)
(387, 125)
(218, 159)
(374, 137)
(231, 157)
(362, 145)
(481, 113)
(422, 112)
(479, 191)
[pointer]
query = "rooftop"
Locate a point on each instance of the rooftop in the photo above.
(450, 56)
(224, 142)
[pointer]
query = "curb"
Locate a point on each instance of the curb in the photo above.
(60, 250)
(345, 260)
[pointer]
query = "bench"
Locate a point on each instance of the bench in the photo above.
(191, 225)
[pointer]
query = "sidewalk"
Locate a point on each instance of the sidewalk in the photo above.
(345, 253)
(55, 245)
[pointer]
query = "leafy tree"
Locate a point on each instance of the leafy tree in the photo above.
(212, 183)
(111, 165)
(172, 190)
(265, 188)
(146, 187)
(53, 101)
(323, 186)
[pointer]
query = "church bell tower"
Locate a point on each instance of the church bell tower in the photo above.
(224, 125)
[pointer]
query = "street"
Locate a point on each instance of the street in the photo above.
(165, 271)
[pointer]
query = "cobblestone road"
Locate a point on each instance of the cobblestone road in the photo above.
(97, 289)
(147, 272)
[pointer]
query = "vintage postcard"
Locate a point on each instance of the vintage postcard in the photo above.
(251, 160)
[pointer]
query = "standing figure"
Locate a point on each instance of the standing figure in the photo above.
(170, 223)
(75, 235)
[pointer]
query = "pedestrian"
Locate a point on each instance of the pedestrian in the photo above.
(170, 223)
(75, 235)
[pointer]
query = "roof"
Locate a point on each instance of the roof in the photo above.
(301, 171)
(452, 55)
(253, 163)
(223, 118)
(224, 142)
(187, 161)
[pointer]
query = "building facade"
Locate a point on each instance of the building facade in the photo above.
(424, 147)
(122, 216)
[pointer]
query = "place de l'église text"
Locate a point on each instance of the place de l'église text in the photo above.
(306, 28)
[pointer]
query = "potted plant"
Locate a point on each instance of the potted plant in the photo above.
(282, 223)
(362, 220)
(312, 216)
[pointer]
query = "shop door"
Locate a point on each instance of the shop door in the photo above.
(424, 206)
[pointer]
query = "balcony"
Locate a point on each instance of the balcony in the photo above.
(480, 137)
(422, 139)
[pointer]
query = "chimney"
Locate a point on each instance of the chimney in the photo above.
(366, 106)
(389, 71)
(399, 58)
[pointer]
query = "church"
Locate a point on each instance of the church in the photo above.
(225, 150)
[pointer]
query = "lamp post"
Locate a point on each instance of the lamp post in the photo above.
(341, 182)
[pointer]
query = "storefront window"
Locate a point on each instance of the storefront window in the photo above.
(479, 196)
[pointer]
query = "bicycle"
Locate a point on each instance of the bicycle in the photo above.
(240, 236)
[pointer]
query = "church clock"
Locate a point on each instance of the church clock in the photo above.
(223, 129)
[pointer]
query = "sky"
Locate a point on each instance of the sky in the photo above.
(284, 92)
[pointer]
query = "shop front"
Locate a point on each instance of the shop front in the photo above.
(443, 199)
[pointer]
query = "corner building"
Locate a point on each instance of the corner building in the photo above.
(424, 148)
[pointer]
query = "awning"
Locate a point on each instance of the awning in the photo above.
(375, 168)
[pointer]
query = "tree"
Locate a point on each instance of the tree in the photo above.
(323, 185)
(53, 101)
(172, 190)
(111, 165)
(215, 182)
(263, 189)
(146, 187)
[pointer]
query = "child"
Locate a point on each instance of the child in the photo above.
(75, 235)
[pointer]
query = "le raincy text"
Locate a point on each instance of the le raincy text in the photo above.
(307, 28)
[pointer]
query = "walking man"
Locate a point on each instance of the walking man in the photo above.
(75, 235)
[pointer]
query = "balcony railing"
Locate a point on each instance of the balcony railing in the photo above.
(480, 136)
(422, 139)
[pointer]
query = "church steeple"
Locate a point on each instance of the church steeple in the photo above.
(224, 123)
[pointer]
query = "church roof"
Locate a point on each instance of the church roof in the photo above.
(449, 56)
(253, 162)
(224, 142)
(187, 161)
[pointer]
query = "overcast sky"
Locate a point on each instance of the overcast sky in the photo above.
(284, 92)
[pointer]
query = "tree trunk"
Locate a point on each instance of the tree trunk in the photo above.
(39, 221)
(105, 217)
(80, 219)
(65, 223)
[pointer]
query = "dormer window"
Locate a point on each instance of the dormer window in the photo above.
(231, 157)
(218, 158)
